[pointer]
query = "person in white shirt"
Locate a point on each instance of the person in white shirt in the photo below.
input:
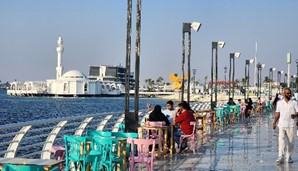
(169, 111)
(286, 111)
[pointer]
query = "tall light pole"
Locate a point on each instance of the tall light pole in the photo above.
(194, 80)
(247, 77)
(128, 115)
(271, 70)
(260, 67)
(225, 68)
(289, 68)
(279, 79)
(296, 91)
(131, 118)
(232, 58)
(187, 29)
(215, 46)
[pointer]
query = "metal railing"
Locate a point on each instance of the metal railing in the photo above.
(35, 139)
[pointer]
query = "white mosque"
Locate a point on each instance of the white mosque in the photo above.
(72, 83)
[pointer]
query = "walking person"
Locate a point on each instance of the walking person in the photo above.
(286, 111)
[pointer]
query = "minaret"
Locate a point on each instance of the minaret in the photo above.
(59, 68)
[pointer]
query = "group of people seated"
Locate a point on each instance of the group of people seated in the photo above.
(179, 117)
(247, 105)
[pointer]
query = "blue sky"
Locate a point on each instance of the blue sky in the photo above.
(94, 33)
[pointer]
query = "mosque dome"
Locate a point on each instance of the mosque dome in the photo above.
(74, 74)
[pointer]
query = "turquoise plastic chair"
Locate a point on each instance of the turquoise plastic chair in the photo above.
(11, 167)
(227, 112)
(107, 148)
(268, 106)
(235, 110)
(97, 133)
(76, 154)
(121, 127)
(220, 115)
(125, 135)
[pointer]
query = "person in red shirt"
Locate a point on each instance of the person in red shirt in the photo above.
(184, 119)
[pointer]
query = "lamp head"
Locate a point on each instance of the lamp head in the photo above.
(251, 61)
(196, 26)
(272, 69)
(237, 54)
(221, 44)
(263, 66)
(281, 72)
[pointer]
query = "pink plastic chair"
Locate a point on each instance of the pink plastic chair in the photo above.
(192, 137)
(158, 136)
(242, 111)
(141, 148)
(155, 134)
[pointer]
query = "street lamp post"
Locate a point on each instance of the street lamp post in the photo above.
(289, 68)
(296, 91)
(187, 29)
(271, 70)
(260, 67)
(225, 68)
(194, 80)
(279, 79)
(131, 118)
(247, 77)
(232, 58)
(215, 46)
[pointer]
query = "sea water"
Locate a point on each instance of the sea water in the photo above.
(14, 109)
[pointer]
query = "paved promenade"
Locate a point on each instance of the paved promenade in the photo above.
(249, 144)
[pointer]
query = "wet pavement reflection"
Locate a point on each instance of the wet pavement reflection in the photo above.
(249, 144)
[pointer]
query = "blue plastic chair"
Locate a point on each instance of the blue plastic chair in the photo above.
(268, 106)
(97, 133)
(107, 148)
(220, 115)
(121, 127)
(12, 167)
(76, 153)
(126, 135)
(227, 112)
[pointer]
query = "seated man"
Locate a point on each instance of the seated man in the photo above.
(169, 111)
(184, 119)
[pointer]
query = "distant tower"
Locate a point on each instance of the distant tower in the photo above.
(59, 68)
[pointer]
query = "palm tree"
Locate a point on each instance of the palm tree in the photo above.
(149, 84)
(243, 81)
(159, 81)
(236, 82)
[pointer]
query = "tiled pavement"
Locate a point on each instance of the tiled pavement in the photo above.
(249, 144)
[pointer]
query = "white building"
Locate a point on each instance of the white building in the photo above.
(72, 83)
